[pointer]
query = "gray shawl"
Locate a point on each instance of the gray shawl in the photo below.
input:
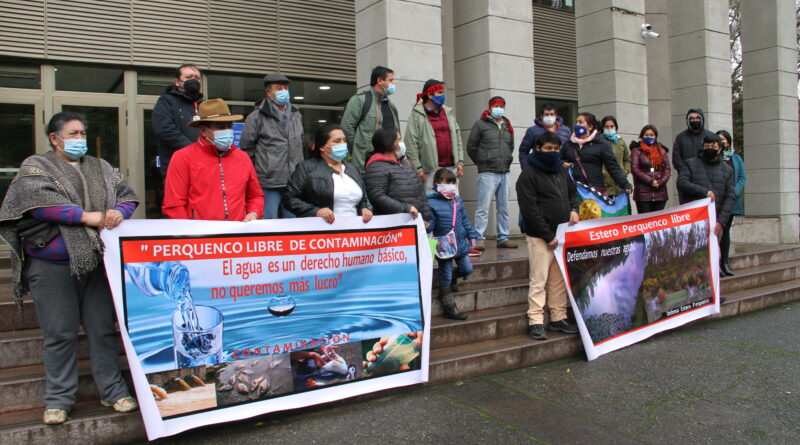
(46, 181)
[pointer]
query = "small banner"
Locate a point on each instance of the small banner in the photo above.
(223, 321)
(629, 278)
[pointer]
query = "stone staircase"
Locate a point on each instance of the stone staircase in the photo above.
(493, 339)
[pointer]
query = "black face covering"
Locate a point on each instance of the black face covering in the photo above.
(192, 88)
(695, 125)
(709, 154)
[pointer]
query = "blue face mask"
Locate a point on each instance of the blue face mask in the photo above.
(649, 141)
(580, 130)
(610, 133)
(74, 148)
(438, 100)
(338, 152)
(282, 97)
(498, 112)
(389, 90)
(223, 139)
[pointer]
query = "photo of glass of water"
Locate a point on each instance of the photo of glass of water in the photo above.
(200, 345)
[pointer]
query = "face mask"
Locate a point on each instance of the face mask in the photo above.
(695, 125)
(727, 154)
(497, 112)
(402, 151)
(438, 100)
(649, 141)
(547, 160)
(580, 130)
(610, 133)
(338, 152)
(449, 191)
(389, 90)
(708, 154)
(282, 97)
(549, 120)
(223, 139)
(74, 148)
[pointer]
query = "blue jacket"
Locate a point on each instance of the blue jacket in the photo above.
(739, 178)
(528, 143)
(441, 223)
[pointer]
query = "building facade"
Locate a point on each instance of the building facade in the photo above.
(111, 59)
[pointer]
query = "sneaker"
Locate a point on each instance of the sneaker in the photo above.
(474, 252)
(55, 416)
(536, 332)
(123, 405)
(563, 326)
(507, 244)
(480, 246)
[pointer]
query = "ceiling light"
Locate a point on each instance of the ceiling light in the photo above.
(299, 97)
(322, 121)
(324, 87)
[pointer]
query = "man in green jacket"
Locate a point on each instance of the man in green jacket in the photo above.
(366, 112)
(433, 138)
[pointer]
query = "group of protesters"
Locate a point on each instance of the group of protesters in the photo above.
(59, 201)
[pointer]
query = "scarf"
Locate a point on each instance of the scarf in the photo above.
(546, 161)
(46, 181)
(580, 141)
(487, 116)
(653, 152)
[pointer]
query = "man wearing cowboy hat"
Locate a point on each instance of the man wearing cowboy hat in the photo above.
(212, 179)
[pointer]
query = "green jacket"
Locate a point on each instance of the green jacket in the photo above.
(359, 132)
(421, 143)
(623, 155)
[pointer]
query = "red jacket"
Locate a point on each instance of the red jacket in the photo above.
(195, 188)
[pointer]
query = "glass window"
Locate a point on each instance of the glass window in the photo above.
(153, 82)
(102, 131)
(18, 142)
(90, 79)
(568, 111)
(566, 5)
(20, 75)
(251, 89)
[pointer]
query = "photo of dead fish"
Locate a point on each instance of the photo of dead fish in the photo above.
(326, 365)
(183, 390)
(252, 379)
(388, 355)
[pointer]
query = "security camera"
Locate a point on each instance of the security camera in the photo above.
(647, 31)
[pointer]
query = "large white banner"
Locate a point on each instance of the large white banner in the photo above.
(223, 321)
(631, 277)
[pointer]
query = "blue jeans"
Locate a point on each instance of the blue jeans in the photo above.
(492, 185)
(272, 204)
(463, 268)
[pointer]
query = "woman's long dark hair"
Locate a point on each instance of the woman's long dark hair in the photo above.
(383, 141)
(591, 120)
(321, 138)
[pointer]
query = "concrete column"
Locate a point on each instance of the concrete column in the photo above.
(770, 113)
(658, 79)
(404, 35)
(699, 62)
(612, 62)
(493, 56)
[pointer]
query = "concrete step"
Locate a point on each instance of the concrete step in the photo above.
(89, 423)
(24, 347)
(22, 387)
(745, 256)
(760, 276)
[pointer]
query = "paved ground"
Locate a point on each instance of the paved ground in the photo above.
(727, 382)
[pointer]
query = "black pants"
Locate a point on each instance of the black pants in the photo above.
(725, 242)
(650, 206)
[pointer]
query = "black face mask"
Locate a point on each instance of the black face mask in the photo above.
(709, 154)
(695, 125)
(547, 160)
(192, 88)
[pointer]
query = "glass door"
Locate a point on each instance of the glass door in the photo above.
(18, 127)
(153, 183)
(102, 131)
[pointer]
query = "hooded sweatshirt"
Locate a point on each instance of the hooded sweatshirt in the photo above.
(689, 143)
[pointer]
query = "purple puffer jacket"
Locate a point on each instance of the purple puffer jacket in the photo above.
(643, 177)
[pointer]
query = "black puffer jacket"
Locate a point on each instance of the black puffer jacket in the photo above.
(594, 155)
(545, 200)
(310, 188)
(491, 147)
(393, 187)
(699, 177)
(688, 143)
(171, 116)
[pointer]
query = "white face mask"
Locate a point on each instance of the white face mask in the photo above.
(549, 120)
(401, 153)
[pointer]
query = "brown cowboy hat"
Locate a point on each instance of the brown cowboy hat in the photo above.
(214, 110)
